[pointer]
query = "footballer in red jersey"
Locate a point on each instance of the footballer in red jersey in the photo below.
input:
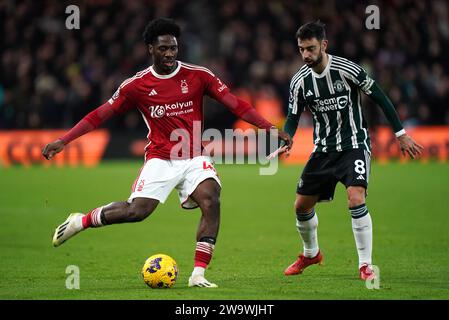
(169, 95)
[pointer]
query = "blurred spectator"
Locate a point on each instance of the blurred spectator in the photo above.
(50, 76)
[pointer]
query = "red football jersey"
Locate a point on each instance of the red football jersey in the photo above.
(170, 105)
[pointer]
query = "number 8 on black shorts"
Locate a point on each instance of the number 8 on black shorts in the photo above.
(324, 170)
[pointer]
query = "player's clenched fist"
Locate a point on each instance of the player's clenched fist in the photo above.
(51, 149)
(286, 138)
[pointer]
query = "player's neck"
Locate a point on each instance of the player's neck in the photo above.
(322, 65)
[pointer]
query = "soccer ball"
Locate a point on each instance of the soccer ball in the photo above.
(160, 271)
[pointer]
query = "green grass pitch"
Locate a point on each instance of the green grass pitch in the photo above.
(257, 239)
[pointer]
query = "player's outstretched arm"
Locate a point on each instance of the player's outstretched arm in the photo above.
(245, 111)
(290, 127)
(87, 124)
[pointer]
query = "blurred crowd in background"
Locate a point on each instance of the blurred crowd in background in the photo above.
(51, 77)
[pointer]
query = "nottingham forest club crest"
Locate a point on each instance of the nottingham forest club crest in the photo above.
(339, 86)
(184, 86)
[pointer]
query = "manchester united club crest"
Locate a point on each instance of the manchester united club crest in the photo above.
(339, 86)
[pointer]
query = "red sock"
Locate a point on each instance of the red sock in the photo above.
(93, 218)
(87, 220)
(203, 254)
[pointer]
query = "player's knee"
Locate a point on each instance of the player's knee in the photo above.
(356, 196)
(302, 208)
(210, 202)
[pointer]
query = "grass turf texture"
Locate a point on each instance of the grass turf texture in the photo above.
(257, 239)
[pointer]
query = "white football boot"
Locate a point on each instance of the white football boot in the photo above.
(71, 226)
(198, 280)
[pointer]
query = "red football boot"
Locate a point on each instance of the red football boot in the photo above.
(366, 272)
(299, 265)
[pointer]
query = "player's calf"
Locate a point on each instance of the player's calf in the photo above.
(136, 215)
(120, 212)
(138, 210)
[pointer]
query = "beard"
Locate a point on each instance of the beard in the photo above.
(316, 62)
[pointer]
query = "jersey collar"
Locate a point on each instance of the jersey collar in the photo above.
(166, 76)
(322, 74)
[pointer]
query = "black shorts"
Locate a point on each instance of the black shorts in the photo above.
(324, 170)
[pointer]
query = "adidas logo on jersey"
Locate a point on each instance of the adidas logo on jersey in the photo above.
(152, 93)
(309, 93)
(360, 177)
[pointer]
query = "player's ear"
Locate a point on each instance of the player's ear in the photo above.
(323, 45)
(150, 49)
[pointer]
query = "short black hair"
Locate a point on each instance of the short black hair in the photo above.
(159, 27)
(311, 30)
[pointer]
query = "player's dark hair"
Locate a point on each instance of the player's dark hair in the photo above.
(311, 30)
(159, 27)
